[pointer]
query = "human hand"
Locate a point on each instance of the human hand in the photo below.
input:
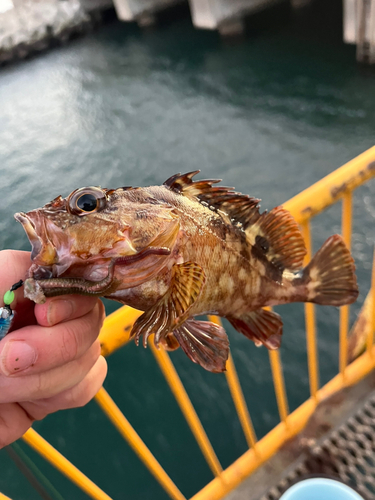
(51, 359)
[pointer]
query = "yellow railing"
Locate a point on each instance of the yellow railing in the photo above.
(338, 185)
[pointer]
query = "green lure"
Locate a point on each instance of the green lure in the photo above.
(6, 313)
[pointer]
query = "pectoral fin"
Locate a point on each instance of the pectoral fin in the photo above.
(172, 309)
(204, 343)
(261, 326)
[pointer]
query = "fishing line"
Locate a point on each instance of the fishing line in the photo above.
(6, 313)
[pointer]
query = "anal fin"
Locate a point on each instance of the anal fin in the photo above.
(204, 343)
(169, 342)
(260, 326)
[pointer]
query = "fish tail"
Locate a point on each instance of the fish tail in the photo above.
(330, 278)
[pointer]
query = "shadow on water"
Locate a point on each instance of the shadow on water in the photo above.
(270, 115)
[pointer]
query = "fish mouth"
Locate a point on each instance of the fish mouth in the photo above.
(43, 251)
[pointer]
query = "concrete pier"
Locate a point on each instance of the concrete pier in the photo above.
(142, 11)
(359, 28)
(227, 16)
(29, 26)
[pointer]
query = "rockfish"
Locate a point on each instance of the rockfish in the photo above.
(183, 249)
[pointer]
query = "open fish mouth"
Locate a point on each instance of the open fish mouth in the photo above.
(43, 251)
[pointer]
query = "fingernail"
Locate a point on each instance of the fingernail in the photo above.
(16, 356)
(59, 310)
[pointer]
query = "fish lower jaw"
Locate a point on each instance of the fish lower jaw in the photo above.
(96, 274)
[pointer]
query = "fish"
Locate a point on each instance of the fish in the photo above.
(180, 250)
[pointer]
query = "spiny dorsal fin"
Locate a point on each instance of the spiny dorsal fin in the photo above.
(277, 236)
(239, 207)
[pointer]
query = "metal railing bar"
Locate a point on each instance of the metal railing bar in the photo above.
(187, 408)
(279, 385)
(370, 338)
(240, 404)
(331, 188)
(310, 324)
(347, 210)
(46, 450)
(238, 397)
(119, 420)
(4, 497)
(344, 310)
(116, 329)
(343, 342)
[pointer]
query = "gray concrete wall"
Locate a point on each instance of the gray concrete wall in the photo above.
(91, 5)
(359, 27)
(350, 21)
(130, 10)
(211, 14)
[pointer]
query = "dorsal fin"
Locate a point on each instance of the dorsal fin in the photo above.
(277, 236)
(239, 207)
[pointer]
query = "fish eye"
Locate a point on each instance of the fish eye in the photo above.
(86, 200)
(87, 203)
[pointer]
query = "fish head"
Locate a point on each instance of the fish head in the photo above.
(79, 234)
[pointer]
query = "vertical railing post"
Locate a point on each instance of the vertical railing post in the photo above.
(279, 384)
(344, 310)
(312, 350)
(238, 397)
(187, 407)
(370, 338)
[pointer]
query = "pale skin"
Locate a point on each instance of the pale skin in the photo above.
(51, 359)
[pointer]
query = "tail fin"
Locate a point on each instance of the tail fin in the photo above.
(330, 277)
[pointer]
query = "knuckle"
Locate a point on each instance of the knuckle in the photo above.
(101, 312)
(96, 318)
(3, 426)
(36, 411)
(3, 442)
(69, 399)
(41, 384)
(96, 349)
(74, 398)
(82, 401)
(70, 344)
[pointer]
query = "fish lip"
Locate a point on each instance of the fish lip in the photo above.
(43, 252)
(30, 230)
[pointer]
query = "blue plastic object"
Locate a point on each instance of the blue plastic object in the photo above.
(6, 317)
(320, 488)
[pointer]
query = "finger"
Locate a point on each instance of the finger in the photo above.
(14, 422)
(35, 349)
(77, 396)
(50, 383)
(14, 265)
(58, 309)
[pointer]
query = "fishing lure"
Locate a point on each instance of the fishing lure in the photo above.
(6, 313)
